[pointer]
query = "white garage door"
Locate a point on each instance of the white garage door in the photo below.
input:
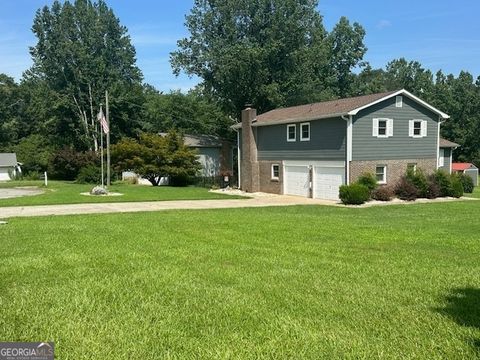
(327, 181)
(297, 180)
(4, 174)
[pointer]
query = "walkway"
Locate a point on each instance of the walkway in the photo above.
(124, 207)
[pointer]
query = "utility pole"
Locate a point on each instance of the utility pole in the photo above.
(101, 147)
(108, 137)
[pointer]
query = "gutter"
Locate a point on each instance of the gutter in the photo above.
(348, 147)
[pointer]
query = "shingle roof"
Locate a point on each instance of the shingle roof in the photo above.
(319, 110)
(332, 108)
(8, 159)
(447, 144)
(200, 140)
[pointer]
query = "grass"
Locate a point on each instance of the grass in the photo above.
(59, 192)
(475, 194)
(309, 282)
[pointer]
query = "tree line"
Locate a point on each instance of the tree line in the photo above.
(270, 53)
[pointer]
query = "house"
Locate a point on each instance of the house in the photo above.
(9, 166)
(310, 150)
(467, 169)
(214, 154)
(445, 155)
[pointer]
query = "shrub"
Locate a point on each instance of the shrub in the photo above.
(418, 179)
(456, 187)
(89, 174)
(368, 180)
(467, 183)
(65, 164)
(444, 183)
(433, 190)
(406, 189)
(383, 193)
(354, 194)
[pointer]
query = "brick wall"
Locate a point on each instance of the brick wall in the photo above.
(266, 183)
(395, 168)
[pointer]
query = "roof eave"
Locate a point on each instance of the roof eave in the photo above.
(291, 120)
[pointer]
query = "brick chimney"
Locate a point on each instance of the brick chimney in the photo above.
(249, 179)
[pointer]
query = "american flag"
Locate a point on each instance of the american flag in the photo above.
(103, 121)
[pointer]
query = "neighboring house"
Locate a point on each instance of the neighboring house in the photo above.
(467, 169)
(214, 154)
(310, 150)
(445, 155)
(9, 166)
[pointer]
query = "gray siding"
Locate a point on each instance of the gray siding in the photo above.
(209, 158)
(327, 141)
(447, 161)
(400, 145)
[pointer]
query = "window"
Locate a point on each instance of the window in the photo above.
(441, 158)
(291, 132)
(417, 128)
(381, 174)
(412, 167)
(382, 128)
(305, 132)
(275, 171)
(399, 101)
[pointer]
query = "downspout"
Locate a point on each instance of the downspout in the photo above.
(348, 147)
(238, 157)
(438, 143)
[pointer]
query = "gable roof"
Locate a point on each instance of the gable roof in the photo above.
(444, 143)
(333, 108)
(200, 140)
(8, 159)
(462, 166)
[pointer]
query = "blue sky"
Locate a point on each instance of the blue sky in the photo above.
(441, 34)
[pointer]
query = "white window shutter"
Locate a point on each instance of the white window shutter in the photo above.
(375, 127)
(410, 128)
(424, 128)
(390, 127)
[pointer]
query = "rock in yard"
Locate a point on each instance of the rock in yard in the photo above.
(98, 190)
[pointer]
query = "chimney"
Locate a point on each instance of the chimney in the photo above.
(249, 181)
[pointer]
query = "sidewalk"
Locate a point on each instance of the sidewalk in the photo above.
(102, 208)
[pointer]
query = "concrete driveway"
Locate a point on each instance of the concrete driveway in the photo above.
(45, 210)
(8, 193)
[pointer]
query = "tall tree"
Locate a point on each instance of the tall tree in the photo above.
(267, 52)
(409, 75)
(82, 50)
(10, 104)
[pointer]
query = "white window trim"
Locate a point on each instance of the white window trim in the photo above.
(441, 158)
(388, 130)
(399, 101)
(422, 125)
(384, 181)
(273, 177)
(288, 132)
(301, 132)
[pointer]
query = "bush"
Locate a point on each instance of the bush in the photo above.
(433, 190)
(418, 179)
(368, 180)
(354, 194)
(406, 189)
(90, 174)
(456, 187)
(467, 183)
(383, 193)
(65, 164)
(444, 183)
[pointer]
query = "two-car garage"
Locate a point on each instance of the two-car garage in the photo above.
(318, 180)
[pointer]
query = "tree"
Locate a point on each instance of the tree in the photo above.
(267, 52)
(34, 153)
(82, 50)
(189, 113)
(9, 111)
(154, 156)
(411, 76)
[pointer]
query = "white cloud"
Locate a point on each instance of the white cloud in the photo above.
(382, 24)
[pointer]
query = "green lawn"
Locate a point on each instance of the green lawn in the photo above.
(59, 192)
(397, 282)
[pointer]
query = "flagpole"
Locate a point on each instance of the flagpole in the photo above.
(108, 138)
(101, 147)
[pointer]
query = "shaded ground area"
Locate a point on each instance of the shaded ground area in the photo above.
(19, 192)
